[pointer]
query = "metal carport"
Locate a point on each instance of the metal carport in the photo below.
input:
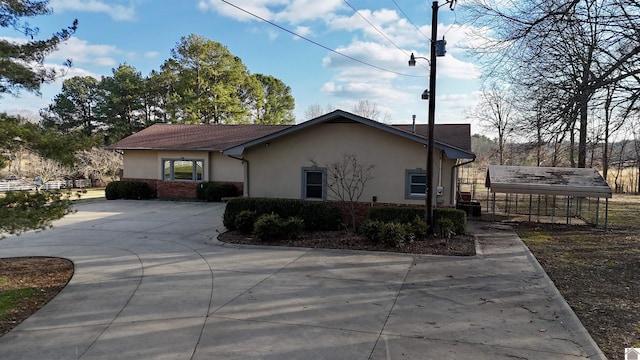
(575, 184)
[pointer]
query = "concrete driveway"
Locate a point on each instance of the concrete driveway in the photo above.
(152, 282)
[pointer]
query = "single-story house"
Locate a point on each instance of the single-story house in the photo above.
(292, 161)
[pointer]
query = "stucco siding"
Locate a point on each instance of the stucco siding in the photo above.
(225, 168)
(276, 170)
(140, 164)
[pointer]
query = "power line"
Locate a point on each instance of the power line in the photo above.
(375, 27)
(412, 23)
(318, 44)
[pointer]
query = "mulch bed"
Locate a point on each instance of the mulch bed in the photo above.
(455, 246)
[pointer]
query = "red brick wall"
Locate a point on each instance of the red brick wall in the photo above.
(177, 189)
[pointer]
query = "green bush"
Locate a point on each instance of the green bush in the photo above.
(458, 218)
(315, 215)
(407, 214)
(215, 191)
(133, 190)
(245, 220)
(270, 227)
(395, 234)
(444, 226)
(292, 228)
(401, 214)
(418, 228)
(372, 230)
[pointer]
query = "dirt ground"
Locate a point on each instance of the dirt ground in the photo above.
(39, 279)
(598, 274)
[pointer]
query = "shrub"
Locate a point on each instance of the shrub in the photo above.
(395, 234)
(270, 227)
(372, 229)
(458, 218)
(267, 227)
(445, 227)
(215, 191)
(315, 215)
(134, 190)
(401, 214)
(418, 228)
(245, 220)
(292, 228)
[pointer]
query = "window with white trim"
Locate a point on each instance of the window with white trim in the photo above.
(415, 184)
(182, 169)
(314, 183)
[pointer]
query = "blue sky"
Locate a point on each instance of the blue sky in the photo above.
(141, 33)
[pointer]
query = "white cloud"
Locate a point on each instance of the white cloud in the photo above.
(115, 11)
(81, 52)
(303, 31)
(257, 7)
(151, 54)
(290, 11)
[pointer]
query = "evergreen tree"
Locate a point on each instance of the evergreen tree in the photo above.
(21, 63)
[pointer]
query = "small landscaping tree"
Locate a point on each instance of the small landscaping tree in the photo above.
(346, 181)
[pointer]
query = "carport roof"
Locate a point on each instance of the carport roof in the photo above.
(547, 181)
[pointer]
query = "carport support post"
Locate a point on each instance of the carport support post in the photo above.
(597, 211)
(493, 206)
(606, 214)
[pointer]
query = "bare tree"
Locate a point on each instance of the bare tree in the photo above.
(346, 181)
(495, 112)
(99, 163)
(47, 169)
(315, 110)
(577, 48)
(370, 111)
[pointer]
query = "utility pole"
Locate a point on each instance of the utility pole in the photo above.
(437, 48)
(428, 216)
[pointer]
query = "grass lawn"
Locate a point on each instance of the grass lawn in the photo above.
(598, 273)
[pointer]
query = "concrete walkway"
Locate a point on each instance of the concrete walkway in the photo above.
(152, 282)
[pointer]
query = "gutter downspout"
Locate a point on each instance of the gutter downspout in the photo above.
(246, 173)
(453, 168)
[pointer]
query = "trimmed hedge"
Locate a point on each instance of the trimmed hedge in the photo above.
(132, 190)
(457, 217)
(401, 214)
(215, 191)
(270, 227)
(407, 214)
(315, 215)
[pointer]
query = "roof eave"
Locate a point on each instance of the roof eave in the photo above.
(451, 151)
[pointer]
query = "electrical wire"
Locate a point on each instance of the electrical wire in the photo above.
(378, 30)
(318, 44)
(408, 19)
(375, 27)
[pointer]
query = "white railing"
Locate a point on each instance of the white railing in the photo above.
(51, 185)
(54, 185)
(15, 185)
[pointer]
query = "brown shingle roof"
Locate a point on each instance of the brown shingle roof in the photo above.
(194, 137)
